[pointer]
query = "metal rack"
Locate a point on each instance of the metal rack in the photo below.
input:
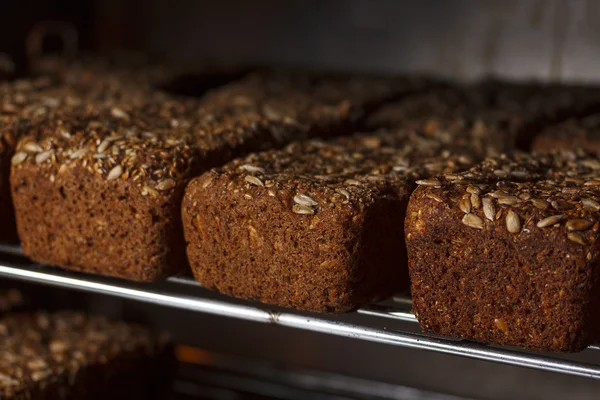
(376, 323)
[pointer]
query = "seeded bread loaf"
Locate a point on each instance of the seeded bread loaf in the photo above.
(574, 133)
(24, 103)
(315, 226)
(496, 116)
(21, 102)
(507, 252)
(73, 356)
(325, 105)
(453, 115)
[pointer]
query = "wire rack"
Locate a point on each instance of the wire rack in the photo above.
(379, 322)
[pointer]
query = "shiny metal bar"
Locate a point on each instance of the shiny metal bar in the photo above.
(150, 294)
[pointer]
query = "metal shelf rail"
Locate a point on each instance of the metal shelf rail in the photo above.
(202, 300)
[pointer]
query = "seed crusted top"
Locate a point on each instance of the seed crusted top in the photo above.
(37, 348)
(157, 145)
(310, 175)
(310, 100)
(520, 193)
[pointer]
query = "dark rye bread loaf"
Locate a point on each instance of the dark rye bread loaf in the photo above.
(452, 115)
(326, 105)
(99, 189)
(24, 103)
(72, 356)
(571, 134)
(21, 102)
(507, 252)
(315, 226)
(495, 116)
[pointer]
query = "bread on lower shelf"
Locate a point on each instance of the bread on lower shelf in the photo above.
(69, 355)
(507, 253)
(316, 226)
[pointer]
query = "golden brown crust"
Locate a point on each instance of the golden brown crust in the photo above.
(515, 244)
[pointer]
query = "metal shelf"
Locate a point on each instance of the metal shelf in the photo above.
(184, 293)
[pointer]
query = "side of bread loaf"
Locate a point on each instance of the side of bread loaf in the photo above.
(507, 252)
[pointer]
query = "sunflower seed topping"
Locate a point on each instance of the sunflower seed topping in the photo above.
(115, 173)
(549, 221)
(577, 238)
(513, 222)
(300, 209)
(304, 200)
(489, 210)
(464, 205)
(473, 221)
(578, 224)
(590, 204)
(43, 156)
(253, 180)
(165, 184)
(18, 158)
(252, 168)
(475, 201)
(429, 182)
(32, 147)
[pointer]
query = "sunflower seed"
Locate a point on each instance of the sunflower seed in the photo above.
(36, 363)
(473, 189)
(435, 197)
(253, 180)
(149, 191)
(39, 375)
(344, 193)
(475, 201)
(300, 209)
(561, 205)
(18, 158)
(43, 156)
(539, 203)
(508, 200)
(513, 222)
(165, 184)
(115, 173)
(473, 221)
(352, 182)
(578, 224)
(464, 205)
(32, 147)
(489, 210)
(78, 153)
(577, 238)
(103, 146)
(590, 205)
(549, 221)
(525, 196)
(304, 200)
(428, 182)
(251, 168)
(498, 193)
(118, 113)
